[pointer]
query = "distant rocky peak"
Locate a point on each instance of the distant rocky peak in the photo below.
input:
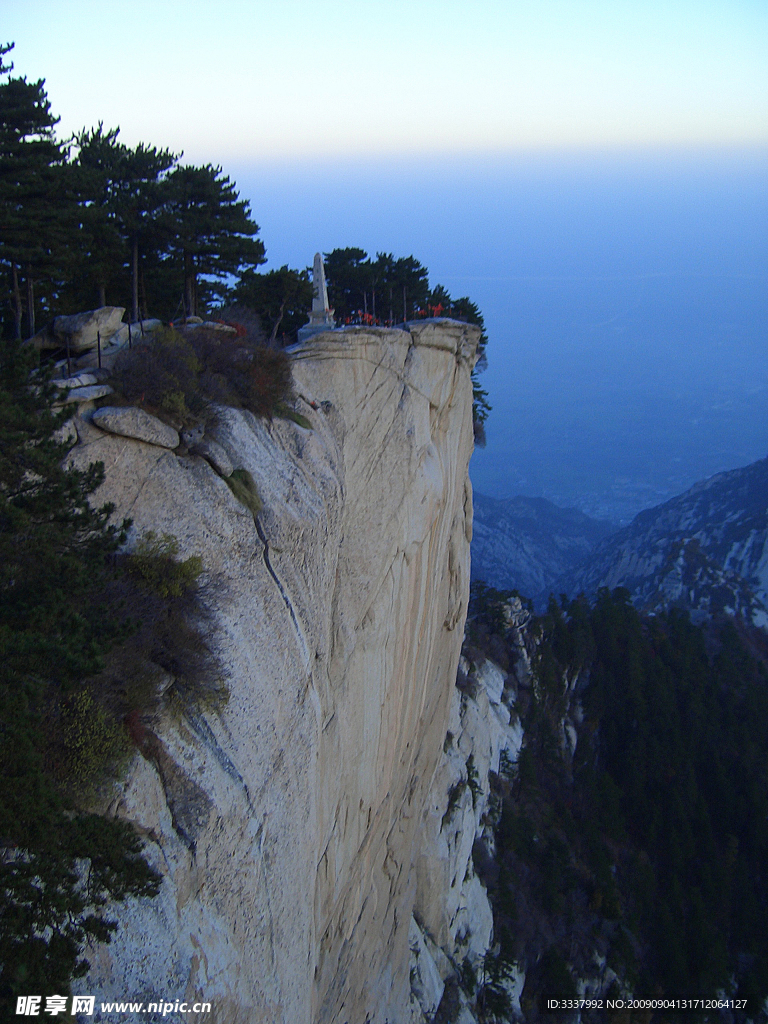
(705, 550)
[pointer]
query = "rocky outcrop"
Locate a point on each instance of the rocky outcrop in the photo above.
(80, 395)
(83, 330)
(125, 336)
(453, 919)
(128, 421)
(288, 825)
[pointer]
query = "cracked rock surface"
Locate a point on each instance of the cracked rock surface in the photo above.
(287, 826)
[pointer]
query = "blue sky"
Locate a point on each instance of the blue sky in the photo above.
(260, 79)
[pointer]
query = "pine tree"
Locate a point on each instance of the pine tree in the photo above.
(346, 271)
(410, 284)
(280, 298)
(55, 553)
(100, 163)
(37, 204)
(137, 194)
(465, 309)
(210, 231)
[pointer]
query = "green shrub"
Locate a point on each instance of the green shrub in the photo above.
(507, 767)
(162, 375)
(154, 563)
(177, 375)
(49, 911)
(473, 780)
(94, 741)
(467, 976)
(164, 654)
(454, 795)
(243, 486)
(296, 417)
(237, 372)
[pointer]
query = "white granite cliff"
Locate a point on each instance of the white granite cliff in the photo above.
(288, 827)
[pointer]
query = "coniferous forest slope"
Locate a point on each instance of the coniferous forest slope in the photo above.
(631, 836)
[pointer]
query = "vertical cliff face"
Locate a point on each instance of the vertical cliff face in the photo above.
(287, 825)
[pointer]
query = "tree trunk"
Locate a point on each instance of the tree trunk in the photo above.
(143, 285)
(102, 295)
(273, 335)
(189, 287)
(135, 280)
(16, 300)
(30, 301)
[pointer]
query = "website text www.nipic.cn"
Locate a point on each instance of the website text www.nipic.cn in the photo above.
(36, 1006)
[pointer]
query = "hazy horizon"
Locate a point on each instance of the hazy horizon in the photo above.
(625, 298)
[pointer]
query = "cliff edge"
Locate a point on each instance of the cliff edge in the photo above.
(287, 825)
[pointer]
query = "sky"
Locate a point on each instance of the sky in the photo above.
(594, 173)
(259, 79)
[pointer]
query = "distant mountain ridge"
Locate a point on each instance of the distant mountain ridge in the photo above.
(526, 544)
(705, 550)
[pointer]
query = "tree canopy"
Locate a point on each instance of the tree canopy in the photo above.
(93, 221)
(384, 289)
(647, 843)
(55, 630)
(281, 299)
(209, 231)
(36, 198)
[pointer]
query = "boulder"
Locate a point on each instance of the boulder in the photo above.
(79, 394)
(117, 343)
(217, 325)
(44, 339)
(82, 329)
(215, 455)
(67, 433)
(193, 324)
(193, 435)
(137, 332)
(128, 421)
(82, 380)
